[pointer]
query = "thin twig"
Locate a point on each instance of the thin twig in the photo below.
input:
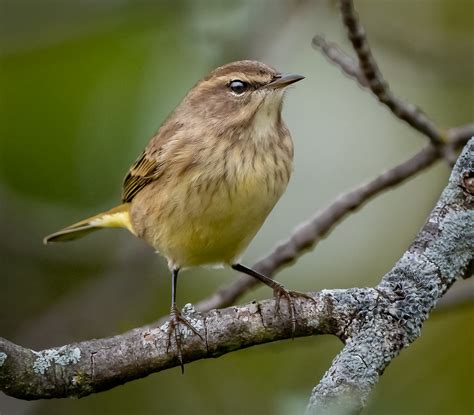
(403, 110)
(341, 59)
(351, 68)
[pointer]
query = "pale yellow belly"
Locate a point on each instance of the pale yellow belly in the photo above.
(204, 223)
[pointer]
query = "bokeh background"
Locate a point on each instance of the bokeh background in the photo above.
(84, 84)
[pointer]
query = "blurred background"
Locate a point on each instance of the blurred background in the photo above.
(84, 84)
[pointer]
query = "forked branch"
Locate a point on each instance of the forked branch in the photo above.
(375, 323)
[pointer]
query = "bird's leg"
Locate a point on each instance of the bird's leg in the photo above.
(278, 291)
(176, 319)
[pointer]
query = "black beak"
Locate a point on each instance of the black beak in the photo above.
(284, 80)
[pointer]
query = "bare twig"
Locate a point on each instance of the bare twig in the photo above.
(375, 323)
(403, 110)
(351, 68)
(460, 134)
(338, 57)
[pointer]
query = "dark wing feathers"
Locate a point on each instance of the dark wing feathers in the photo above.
(142, 172)
(149, 166)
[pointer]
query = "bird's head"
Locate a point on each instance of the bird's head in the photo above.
(242, 94)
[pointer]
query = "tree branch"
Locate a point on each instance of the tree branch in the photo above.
(442, 252)
(80, 369)
(369, 68)
(374, 323)
(338, 57)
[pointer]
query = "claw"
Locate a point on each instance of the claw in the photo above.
(280, 291)
(176, 319)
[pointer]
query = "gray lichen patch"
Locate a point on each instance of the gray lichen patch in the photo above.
(62, 356)
(194, 318)
(165, 327)
(455, 250)
(3, 357)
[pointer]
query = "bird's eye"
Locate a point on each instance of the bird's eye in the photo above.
(238, 87)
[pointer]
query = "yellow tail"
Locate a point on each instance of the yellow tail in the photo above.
(117, 217)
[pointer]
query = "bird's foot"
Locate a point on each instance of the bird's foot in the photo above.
(280, 291)
(177, 319)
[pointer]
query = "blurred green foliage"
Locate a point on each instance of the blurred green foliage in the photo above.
(84, 84)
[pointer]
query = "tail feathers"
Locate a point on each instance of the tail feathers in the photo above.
(118, 217)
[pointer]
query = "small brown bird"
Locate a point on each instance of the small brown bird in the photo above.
(209, 177)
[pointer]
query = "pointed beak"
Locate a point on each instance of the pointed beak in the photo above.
(284, 80)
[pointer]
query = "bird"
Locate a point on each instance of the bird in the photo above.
(208, 178)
